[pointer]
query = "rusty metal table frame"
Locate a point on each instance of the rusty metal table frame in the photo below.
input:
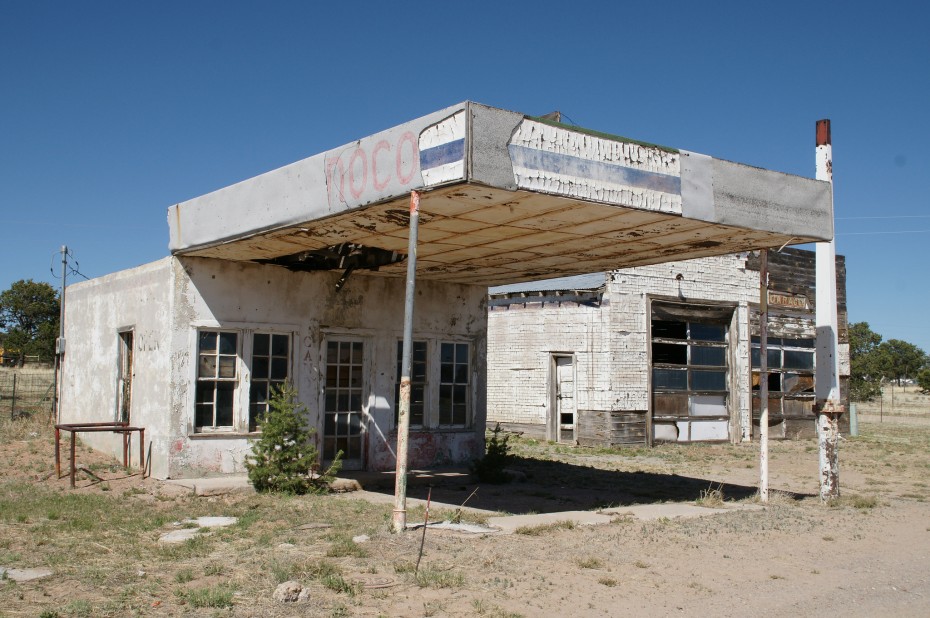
(115, 427)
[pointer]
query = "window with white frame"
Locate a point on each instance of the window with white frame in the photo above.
(440, 384)
(217, 380)
(454, 380)
(270, 362)
(231, 396)
(418, 383)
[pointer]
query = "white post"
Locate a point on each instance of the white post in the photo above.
(827, 387)
(763, 376)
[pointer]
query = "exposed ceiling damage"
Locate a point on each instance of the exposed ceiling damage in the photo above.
(504, 198)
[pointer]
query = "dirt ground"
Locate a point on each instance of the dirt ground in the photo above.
(867, 555)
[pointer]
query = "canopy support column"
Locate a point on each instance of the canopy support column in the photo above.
(828, 406)
(399, 517)
(763, 376)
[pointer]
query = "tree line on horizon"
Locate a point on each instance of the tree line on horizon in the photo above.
(29, 318)
(873, 361)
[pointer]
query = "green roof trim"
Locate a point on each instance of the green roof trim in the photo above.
(616, 138)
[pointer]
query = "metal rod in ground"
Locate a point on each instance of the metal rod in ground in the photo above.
(429, 495)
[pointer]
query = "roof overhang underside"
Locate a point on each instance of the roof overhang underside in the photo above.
(504, 198)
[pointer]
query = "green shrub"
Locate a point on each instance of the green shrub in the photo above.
(490, 468)
(285, 458)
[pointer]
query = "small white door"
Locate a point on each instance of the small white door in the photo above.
(124, 383)
(565, 398)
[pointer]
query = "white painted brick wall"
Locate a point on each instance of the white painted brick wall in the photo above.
(610, 342)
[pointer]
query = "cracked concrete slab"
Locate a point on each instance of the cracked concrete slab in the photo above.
(24, 575)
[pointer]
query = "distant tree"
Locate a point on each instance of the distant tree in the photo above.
(865, 372)
(898, 359)
(29, 319)
(923, 378)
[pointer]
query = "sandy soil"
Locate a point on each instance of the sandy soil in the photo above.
(868, 555)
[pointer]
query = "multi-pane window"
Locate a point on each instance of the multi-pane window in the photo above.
(418, 367)
(453, 384)
(270, 361)
(220, 402)
(689, 379)
(342, 425)
(217, 379)
(790, 376)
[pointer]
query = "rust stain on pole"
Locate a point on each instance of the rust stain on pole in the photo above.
(823, 133)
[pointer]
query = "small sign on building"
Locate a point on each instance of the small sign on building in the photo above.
(789, 301)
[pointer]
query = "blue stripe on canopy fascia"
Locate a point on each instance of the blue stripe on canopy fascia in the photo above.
(568, 165)
(450, 152)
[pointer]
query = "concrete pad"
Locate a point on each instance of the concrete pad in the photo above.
(379, 498)
(179, 536)
(448, 525)
(212, 522)
(24, 575)
(217, 486)
(647, 512)
(510, 523)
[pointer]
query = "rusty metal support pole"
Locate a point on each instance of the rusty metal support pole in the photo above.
(764, 376)
(57, 453)
(73, 440)
(142, 451)
(399, 517)
(827, 388)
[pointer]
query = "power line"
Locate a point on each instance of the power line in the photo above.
(886, 217)
(876, 233)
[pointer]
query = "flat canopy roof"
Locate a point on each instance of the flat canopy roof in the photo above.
(504, 198)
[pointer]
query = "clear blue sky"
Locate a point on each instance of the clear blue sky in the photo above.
(112, 111)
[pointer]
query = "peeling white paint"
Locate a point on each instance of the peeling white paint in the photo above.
(442, 154)
(564, 162)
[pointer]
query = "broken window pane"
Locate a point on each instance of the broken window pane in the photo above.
(666, 329)
(669, 354)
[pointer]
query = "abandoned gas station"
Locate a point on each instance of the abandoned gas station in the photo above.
(361, 275)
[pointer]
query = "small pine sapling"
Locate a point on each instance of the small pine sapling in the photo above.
(492, 467)
(285, 458)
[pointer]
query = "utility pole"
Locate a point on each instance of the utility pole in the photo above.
(60, 342)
